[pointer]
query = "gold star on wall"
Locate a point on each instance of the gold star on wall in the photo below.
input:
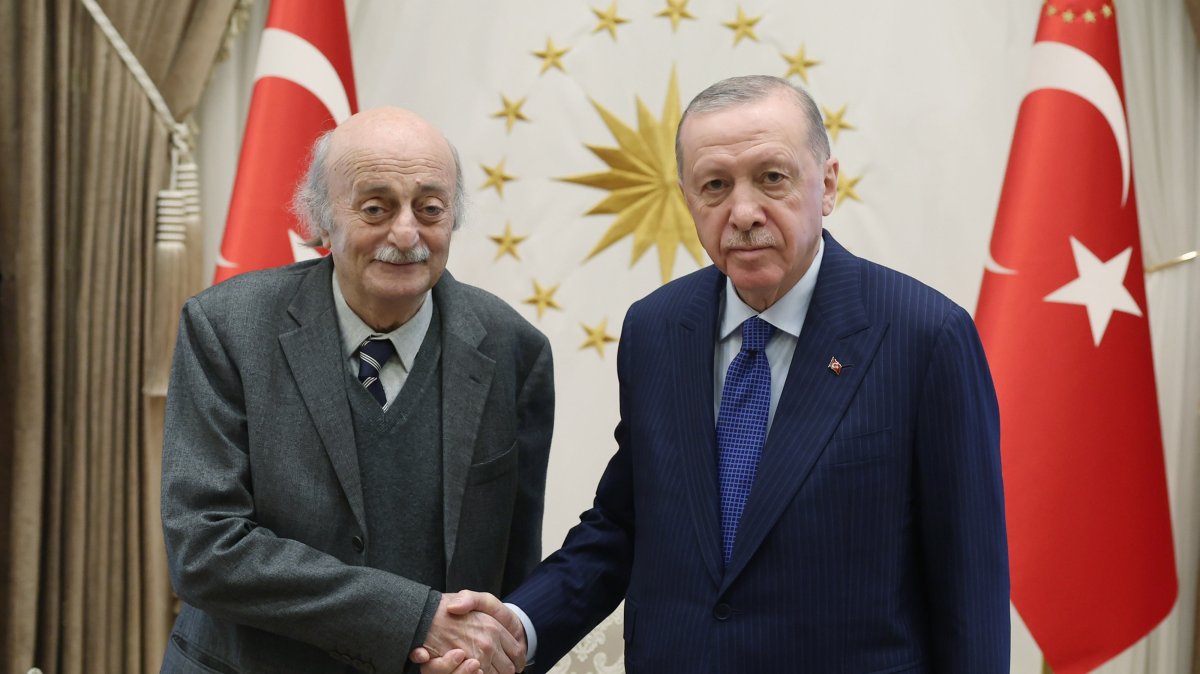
(508, 242)
(1051, 10)
(834, 122)
(1107, 11)
(845, 188)
(608, 20)
(551, 56)
(643, 187)
(543, 298)
(799, 64)
(496, 177)
(676, 10)
(597, 337)
(1068, 16)
(742, 26)
(511, 112)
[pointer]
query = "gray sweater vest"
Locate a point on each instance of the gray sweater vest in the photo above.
(400, 460)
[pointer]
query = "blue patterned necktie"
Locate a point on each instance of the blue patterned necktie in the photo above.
(372, 354)
(742, 425)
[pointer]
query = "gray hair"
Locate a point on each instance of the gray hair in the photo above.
(735, 91)
(313, 205)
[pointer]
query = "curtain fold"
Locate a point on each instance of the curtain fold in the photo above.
(1162, 77)
(90, 288)
(1193, 7)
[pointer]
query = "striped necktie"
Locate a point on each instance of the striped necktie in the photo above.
(372, 354)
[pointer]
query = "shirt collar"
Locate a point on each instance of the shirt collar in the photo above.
(788, 312)
(406, 339)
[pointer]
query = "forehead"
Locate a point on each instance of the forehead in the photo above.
(775, 121)
(388, 159)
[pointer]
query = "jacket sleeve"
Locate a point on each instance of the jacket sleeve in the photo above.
(961, 504)
(583, 582)
(535, 425)
(222, 562)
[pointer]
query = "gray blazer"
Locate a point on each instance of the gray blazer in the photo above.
(262, 503)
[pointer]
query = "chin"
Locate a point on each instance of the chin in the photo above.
(394, 290)
(754, 279)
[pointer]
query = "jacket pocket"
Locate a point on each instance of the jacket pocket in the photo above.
(494, 467)
(194, 659)
(910, 668)
(859, 449)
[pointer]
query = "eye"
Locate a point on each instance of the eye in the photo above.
(714, 184)
(432, 210)
(372, 210)
(773, 177)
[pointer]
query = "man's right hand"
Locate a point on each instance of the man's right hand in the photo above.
(472, 632)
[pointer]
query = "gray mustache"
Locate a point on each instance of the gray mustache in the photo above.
(394, 255)
(750, 238)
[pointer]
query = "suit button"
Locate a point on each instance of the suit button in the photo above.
(358, 544)
(722, 611)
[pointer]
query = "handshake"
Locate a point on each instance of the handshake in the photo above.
(472, 632)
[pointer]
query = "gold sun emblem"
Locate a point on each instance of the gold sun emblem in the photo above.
(643, 185)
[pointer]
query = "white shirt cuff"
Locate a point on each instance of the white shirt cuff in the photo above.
(530, 633)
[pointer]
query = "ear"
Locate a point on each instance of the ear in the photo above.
(829, 197)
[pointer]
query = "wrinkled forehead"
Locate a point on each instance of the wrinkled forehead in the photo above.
(389, 152)
(753, 130)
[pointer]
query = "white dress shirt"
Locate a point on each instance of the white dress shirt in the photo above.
(787, 315)
(406, 339)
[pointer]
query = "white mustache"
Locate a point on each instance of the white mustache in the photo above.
(394, 255)
(749, 238)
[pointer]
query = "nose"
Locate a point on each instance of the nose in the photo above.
(745, 211)
(403, 232)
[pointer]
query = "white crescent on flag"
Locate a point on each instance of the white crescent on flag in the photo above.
(1054, 65)
(288, 56)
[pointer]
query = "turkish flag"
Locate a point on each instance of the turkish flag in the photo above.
(304, 86)
(1062, 314)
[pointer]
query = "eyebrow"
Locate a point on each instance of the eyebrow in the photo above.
(722, 165)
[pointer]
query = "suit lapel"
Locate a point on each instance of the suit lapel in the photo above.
(314, 354)
(813, 399)
(466, 380)
(692, 343)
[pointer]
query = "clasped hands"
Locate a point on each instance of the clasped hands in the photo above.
(472, 632)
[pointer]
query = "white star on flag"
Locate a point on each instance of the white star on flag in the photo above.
(1100, 287)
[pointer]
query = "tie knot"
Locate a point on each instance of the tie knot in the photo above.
(376, 351)
(755, 333)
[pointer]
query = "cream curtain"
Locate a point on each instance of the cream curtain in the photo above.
(88, 289)
(1162, 87)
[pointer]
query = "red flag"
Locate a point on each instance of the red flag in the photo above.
(1062, 313)
(304, 86)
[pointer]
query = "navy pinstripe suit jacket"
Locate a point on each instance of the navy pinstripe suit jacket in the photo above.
(873, 539)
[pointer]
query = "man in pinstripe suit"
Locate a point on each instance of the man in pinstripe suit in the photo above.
(872, 538)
